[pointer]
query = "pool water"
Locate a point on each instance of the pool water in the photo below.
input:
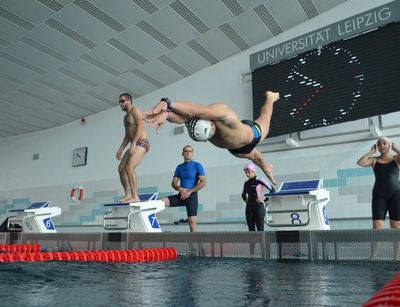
(191, 281)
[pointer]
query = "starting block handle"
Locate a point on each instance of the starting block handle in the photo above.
(154, 196)
(9, 227)
(308, 210)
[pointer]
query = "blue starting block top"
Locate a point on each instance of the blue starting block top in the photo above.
(297, 187)
(142, 197)
(36, 205)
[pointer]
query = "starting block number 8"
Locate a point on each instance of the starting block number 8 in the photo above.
(295, 218)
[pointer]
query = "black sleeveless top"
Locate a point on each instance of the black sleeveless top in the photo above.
(386, 179)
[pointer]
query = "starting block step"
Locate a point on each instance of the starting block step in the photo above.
(298, 205)
(36, 218)
(134, 217)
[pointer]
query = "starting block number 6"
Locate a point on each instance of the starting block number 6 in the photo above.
(48, 223)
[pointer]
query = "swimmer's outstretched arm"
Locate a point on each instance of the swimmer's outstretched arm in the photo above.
(180, 112)
(214, 111)
(157, 121)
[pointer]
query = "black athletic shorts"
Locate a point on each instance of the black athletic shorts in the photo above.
(191, 203)
(380, 206)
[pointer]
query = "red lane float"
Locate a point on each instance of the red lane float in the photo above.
(130, 255)
(20, 248)
(389, 295)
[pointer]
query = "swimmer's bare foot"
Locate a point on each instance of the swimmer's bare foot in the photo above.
(272, 96)
(271, 178)
(268, 172)
(125, 199)
(133, 200)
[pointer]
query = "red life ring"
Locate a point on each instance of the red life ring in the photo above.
(80, 196)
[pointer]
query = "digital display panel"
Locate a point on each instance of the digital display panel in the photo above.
(343, 81)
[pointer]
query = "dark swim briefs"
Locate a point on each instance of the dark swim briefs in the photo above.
(256, 138)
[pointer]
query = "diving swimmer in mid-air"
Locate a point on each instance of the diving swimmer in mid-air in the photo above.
(219, 124)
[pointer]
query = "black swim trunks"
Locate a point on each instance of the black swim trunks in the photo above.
(256, 138)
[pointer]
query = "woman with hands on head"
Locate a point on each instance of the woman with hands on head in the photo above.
(386, 190)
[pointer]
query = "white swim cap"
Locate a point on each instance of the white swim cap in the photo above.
(199, 129)
(384, 138)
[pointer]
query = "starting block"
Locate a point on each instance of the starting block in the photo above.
(36, 218)
(134, 217)
(298, 205)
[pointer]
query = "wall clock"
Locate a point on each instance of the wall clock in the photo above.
(79, 156)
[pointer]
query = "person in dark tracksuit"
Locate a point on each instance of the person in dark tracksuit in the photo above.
(253, 195)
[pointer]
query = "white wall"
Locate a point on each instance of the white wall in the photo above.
(23, 177)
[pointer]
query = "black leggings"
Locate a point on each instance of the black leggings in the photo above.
(255, 214)
(380, 206)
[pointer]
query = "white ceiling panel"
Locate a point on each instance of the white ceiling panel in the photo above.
(28, 10)
(218, 44)
(56, 116)
(17, 72)
(106, 92)
(29, 54)
(111, 56)
(142, 43)
(7, 85)
(323, 6)
(212, 13)
(88, 72)
(65, 2)
(249, 4)
(176, 29)
(56, 41)
(188, 59)
(10, 32)
(71, 110)
(126, 12)
(161, 3)
(64, 59)
(287, 13)
(66, 83)
(25, 115)
(14, 125)
(160, 72)
(90, 102)
(46, 93)
(22, 98)
(251, 28)
(85, 24)
(133, 83)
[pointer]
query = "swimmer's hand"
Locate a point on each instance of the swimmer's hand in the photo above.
(157, 120)
(157, 109)
(118, 154)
